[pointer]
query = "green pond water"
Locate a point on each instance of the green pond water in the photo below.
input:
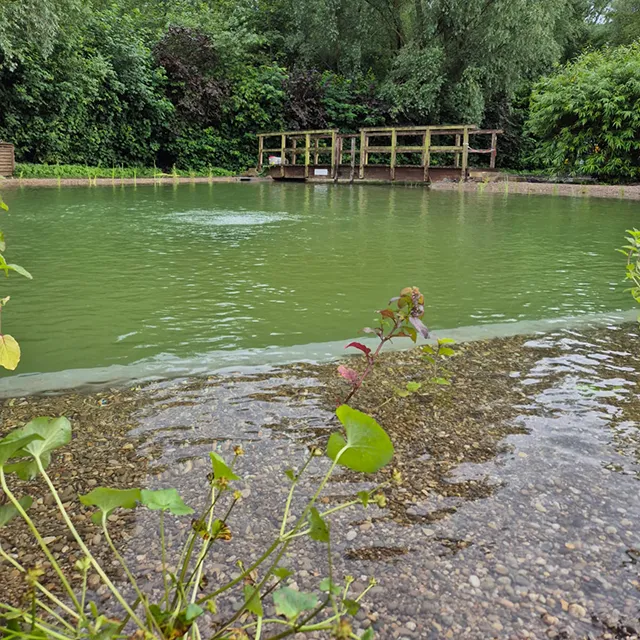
(131, 282)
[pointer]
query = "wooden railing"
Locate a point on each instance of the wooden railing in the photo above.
(334, 145)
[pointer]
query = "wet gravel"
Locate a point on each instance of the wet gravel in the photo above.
(518, 518)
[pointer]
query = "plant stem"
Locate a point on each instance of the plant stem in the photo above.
(39, 539)
(96, 565)
(287, 506)
(163, 546)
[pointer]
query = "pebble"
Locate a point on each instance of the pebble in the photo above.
(540, 507)
(475, 581)
(549, 620)
(351, 535)
(411, 625)
(577, 610)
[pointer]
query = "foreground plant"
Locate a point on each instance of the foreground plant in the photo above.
(187, 606)
(9, 347)
(632, 251)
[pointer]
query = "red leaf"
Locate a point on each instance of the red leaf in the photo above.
(387, 313)
(348, 374)
(359, 345)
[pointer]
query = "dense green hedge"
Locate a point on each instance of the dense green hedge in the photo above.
(586, 117)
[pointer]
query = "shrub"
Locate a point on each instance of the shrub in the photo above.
(586, 117)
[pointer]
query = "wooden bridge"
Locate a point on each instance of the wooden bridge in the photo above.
(375, 154)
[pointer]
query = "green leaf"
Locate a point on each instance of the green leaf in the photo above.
(252, 600)
(319, 529)
(9, 352)
(290, 473)
(441, 381)
(8, 511)
(446, 341)
(428, 349)
(109, 499)
(165, 500)
(192, 612)
(326, 585)
(367, 635)
(446, 351)
(367, 447)
(401, 393)
(49, 434)
(412, 387)
(21, 270)
(14, 442)
(364, 498)
(3, 244)
(291, 603)
(351, 606)
(3, 205)
(282, 572)
(220, 468)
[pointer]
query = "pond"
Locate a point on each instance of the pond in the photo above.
(168, 280)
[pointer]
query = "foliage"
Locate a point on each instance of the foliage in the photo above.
(632, 252)
(436, 355)
(623, 22)
(9, 347)
(401, 319)
(586, 119)
(187, 601)
(188, 84)
(63, 171)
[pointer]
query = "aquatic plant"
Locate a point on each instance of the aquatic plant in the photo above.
(632, 251)
(402, 318)
(187, 604)
(9, 347)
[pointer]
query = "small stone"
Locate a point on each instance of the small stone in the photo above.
(351, 535)
(94, 580)
(49, 539)
(626, 522)
(540, 507)
(502, 570)
(429, 532)
(411, 625)
(474, 581)
(611, 530)
(577, 610)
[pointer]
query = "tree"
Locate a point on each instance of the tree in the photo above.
(586, 117)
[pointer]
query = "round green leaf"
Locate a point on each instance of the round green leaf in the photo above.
(109, 499)
(291, 603)
(367, 447)
(318, 528)
(165, 500)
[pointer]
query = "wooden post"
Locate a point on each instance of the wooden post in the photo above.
(315, 155)
(465, 154)
(392, 162)
(426, 154)
(260, 148)
(353, 159)
(283, 150)
(294, 144)
(494, 150)
(457, 156)
(363, 159)
(307, 153)
(334, 149)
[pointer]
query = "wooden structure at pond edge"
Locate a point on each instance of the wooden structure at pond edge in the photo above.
(7, 159)
(325, 155)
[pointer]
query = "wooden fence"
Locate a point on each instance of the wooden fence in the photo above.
(7, 159)
(338, 156)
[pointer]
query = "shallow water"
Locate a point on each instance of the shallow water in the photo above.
(166, 280)
(552, 552)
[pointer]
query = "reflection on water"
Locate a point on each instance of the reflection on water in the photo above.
(550, 552)
(159, 274)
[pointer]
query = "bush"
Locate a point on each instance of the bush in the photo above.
(586, 117)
